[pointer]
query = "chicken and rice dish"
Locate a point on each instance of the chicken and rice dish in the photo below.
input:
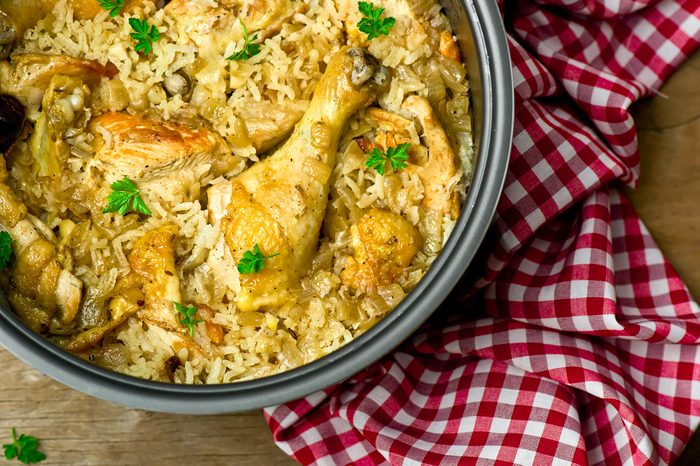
(202, 191)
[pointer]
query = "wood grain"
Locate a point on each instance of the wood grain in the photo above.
(669, 187)
(78, 430)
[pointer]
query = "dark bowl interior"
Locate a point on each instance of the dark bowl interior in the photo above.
(483, 42)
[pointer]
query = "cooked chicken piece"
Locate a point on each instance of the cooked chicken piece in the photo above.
(268, 123)
(279, 203)
(41, 286)
(440, 169)
(384, 245)
(29, 75)
(437, 169)
(39, 279)
(152, 263)
(220, 261)
(69, 290)
(152, 153)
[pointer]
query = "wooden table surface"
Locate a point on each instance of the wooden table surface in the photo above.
(76, 429)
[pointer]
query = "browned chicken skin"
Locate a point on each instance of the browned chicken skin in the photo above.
(147, 150)
(384, 245)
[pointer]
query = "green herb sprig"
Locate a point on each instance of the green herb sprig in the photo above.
(24, 448)
(144, 35)
(189, 316)
(395, 156)
(253, 261)
(249, 49)
(125, 198)
(113, 6)
(5, 249)
(372, 24)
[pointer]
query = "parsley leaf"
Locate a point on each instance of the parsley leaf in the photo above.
(253, 261)
(24, 448)
(5, 249)
(372, 24)
(144, 36)
(189, 316)
(113, 6)
(395, 156)
(249, 49)
(125, 198)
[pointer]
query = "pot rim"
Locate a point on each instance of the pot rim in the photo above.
(404, 320)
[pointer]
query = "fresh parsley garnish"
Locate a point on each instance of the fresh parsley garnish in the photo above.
(113, 6)
(372, 24)
(395, 156)
(253, 261)
(125, 198)
(144, 35)
(5, 249)
(189, 316)
(249, 49)
(24, 448)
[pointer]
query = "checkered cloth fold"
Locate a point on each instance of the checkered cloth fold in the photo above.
(578, 343)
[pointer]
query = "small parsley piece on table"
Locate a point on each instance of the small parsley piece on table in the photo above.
(189, 316)
(372, 24)
(249, 49)
(113, 6)
(125, 198)
(143, 35)
(5, 249)
(253, 261)
(24, 448)
(395, 156)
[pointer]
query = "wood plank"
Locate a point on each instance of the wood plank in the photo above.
(668, 192)
(76, 429)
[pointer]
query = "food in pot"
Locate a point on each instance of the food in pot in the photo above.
(202, 191)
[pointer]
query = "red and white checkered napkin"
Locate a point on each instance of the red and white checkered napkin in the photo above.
(580, 344)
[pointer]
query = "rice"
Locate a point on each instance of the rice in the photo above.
(324, 313)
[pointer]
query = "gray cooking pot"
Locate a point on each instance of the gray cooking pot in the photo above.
(484, 44)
